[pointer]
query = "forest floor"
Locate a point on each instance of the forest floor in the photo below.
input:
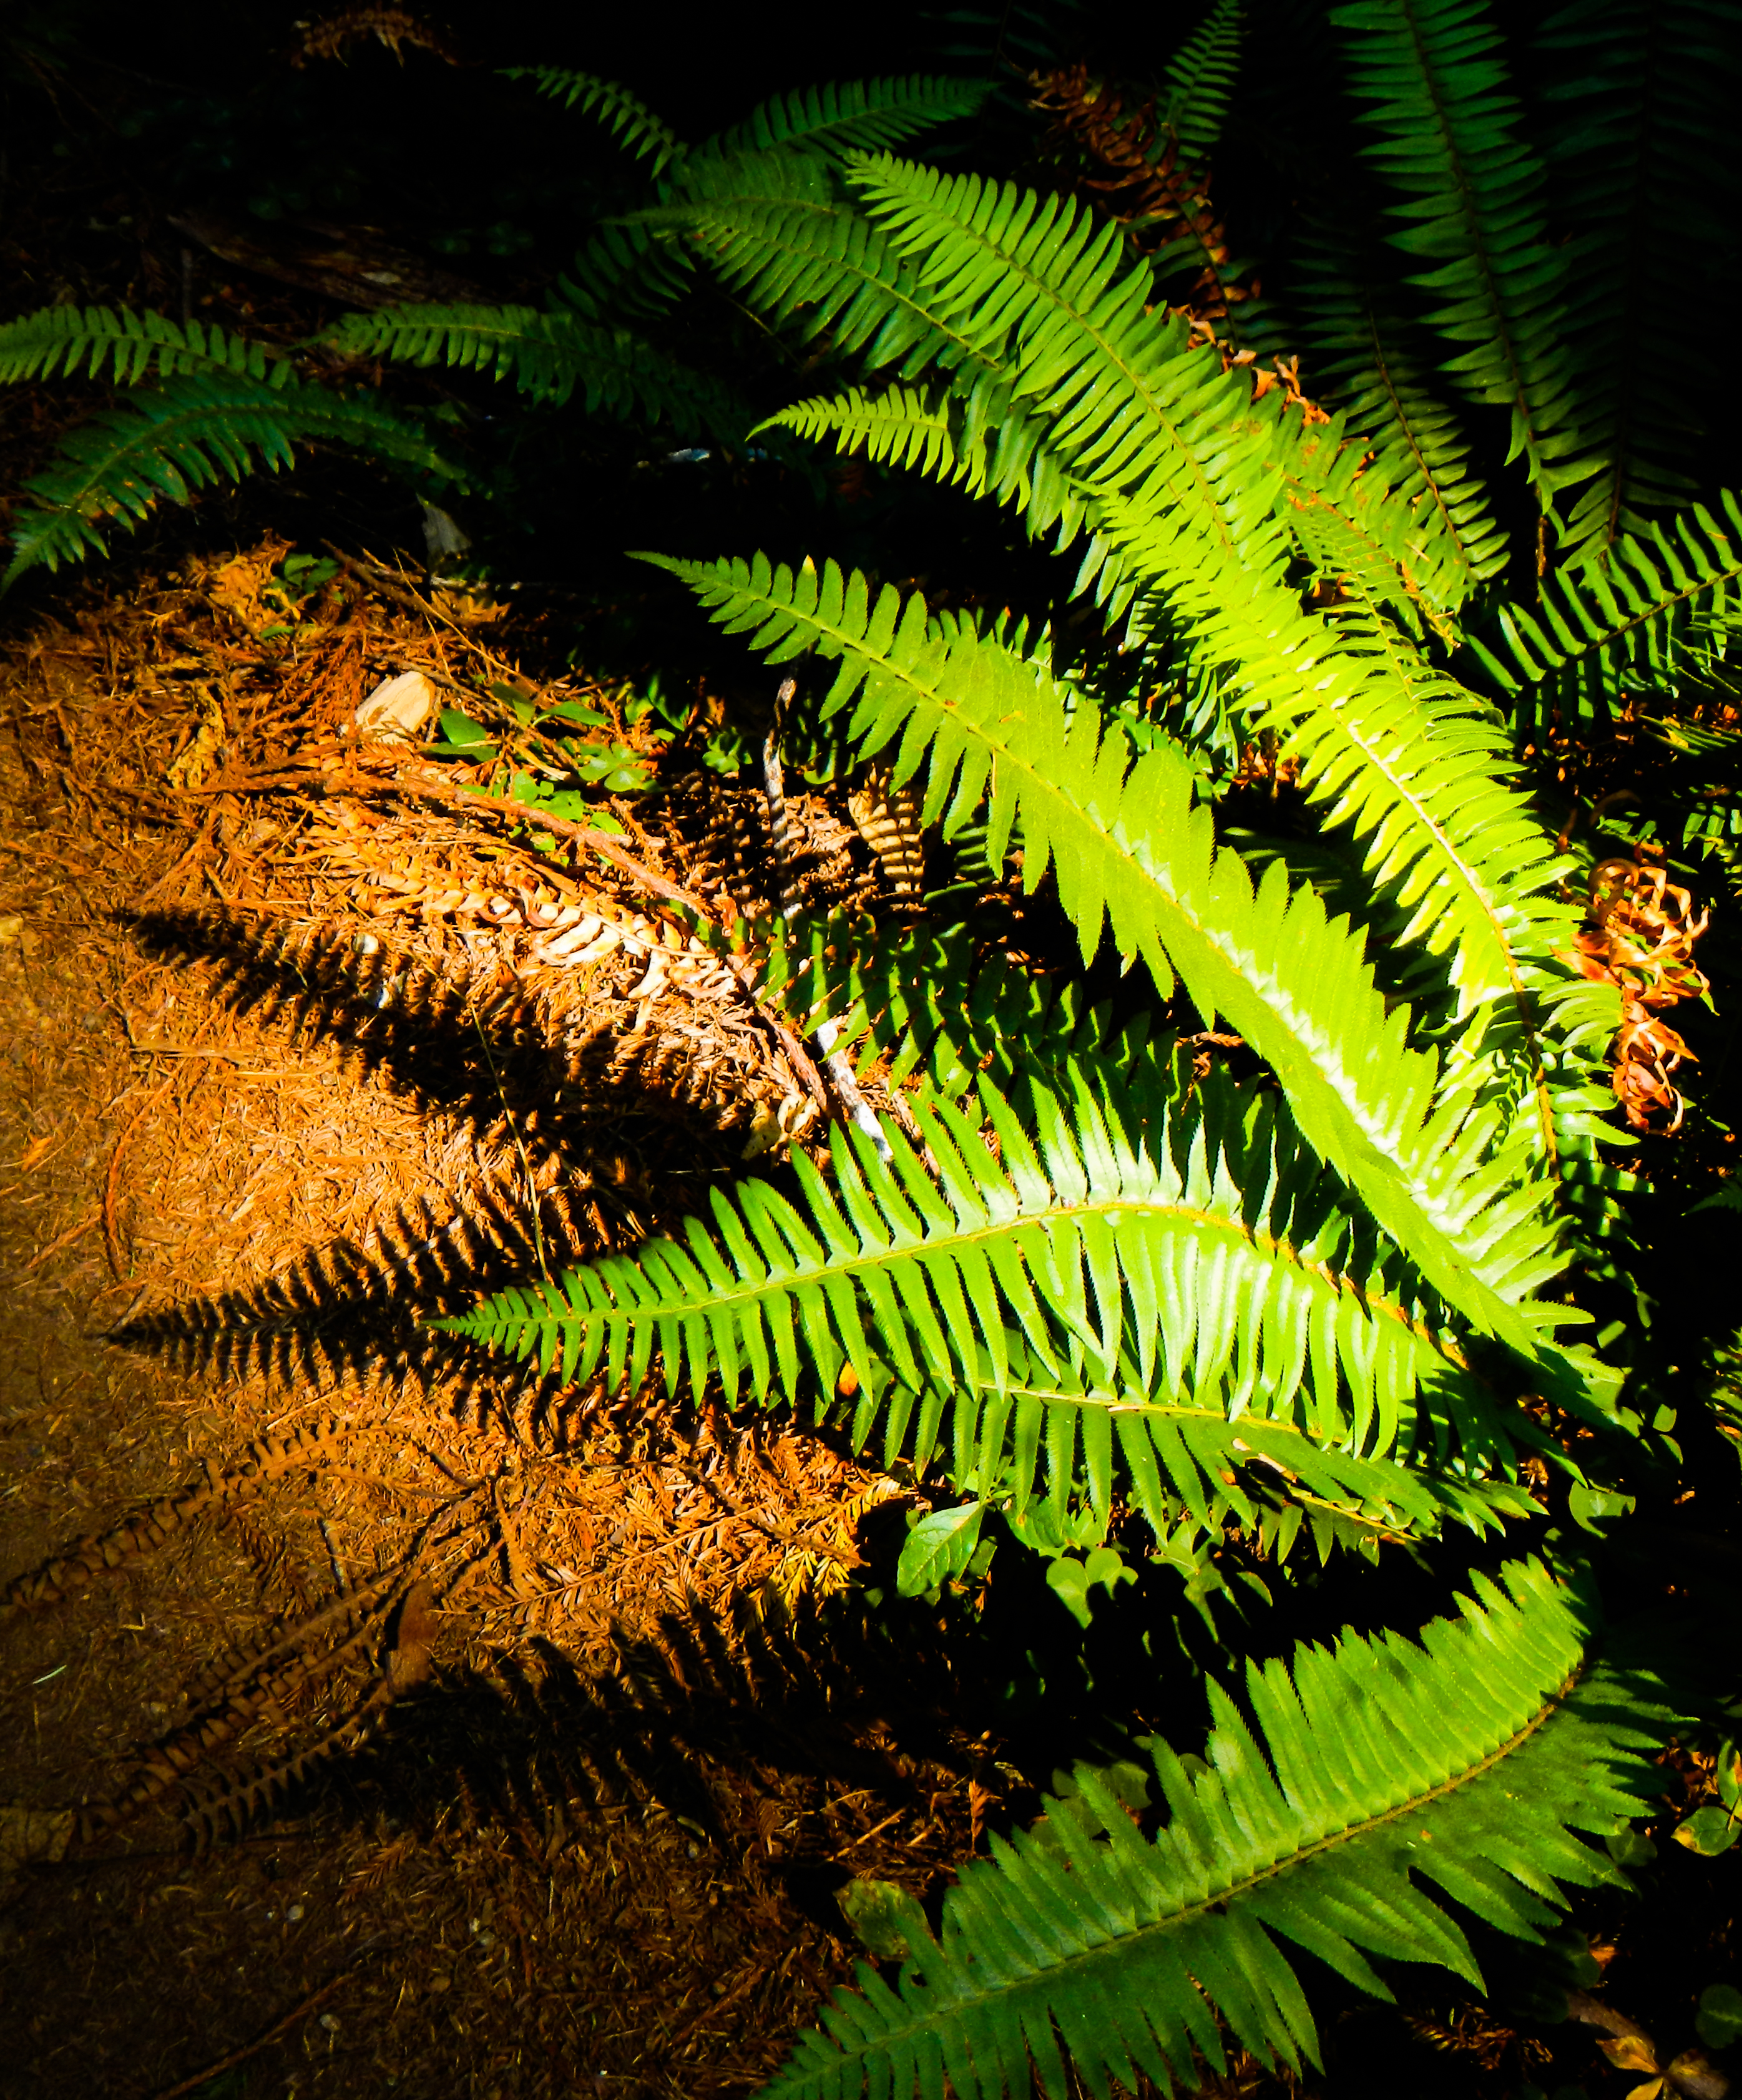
(376, 1724)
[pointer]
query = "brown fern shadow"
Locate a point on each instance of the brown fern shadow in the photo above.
(578, 1140)
(470, 1042)
(742, 1732)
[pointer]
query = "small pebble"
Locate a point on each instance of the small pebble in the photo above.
(294, 1913)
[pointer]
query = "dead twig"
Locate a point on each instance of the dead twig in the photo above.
(330, 1988)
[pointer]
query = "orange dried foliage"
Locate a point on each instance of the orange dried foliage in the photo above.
(390, 26)
(1144, 184)
(1142, 181)
(1641, 939)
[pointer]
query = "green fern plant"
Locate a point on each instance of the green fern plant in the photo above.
(1074, 1283)
(1081, 1286)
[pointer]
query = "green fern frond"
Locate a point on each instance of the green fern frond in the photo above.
(1201, 78)
(856, 115)
(1352, 525)
(1643, 95)
(977, 440)
(1128, 848)
(550, 356)
(1358, 1790)
(1180, 485)
(192, 432)
(922, 1000)
(1143, 1251)
(1417, 445)
(1470, 193)
(625, 116)
(626, 273)
(1659, 610)
(129, 345)
(801, 256)
(1175, 473)
(1191, 1472)
(1122, 391)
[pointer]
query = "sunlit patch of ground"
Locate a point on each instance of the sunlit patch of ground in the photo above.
(381, 1720)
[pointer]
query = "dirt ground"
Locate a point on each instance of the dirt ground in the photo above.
(378, 1720)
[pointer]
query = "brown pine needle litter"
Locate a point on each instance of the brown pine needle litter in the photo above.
(383, 1721)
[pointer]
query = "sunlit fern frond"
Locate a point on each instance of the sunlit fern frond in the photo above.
(1354, 1794)
(1128, 849)
(1131, 1253)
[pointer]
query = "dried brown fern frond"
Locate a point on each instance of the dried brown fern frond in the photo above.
(1641, 938)
(1138, 176)
(393, 27)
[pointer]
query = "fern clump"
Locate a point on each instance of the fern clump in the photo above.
(1316, 1226)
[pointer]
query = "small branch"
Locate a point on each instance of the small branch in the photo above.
(301, 2012)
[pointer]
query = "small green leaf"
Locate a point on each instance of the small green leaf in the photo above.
(1071, 1581)
(1718, 2021)
(1068, 1581)
(1709, 1831)
(1042, 1529)
(1590, 1506)
(459, 729)
(475, 754)
(938, 1546)
(1631, 1848)
(1729, 1777)
(572, 711)
(882, 1915)
(1106, 1566)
